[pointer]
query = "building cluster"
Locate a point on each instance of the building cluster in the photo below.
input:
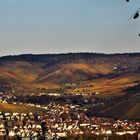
(62, 120)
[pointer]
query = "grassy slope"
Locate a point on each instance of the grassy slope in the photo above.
(32, 75)
(29, 75)
(73, 72)
(126, 109)
(21, 70)
(109, 86)
(18, 108)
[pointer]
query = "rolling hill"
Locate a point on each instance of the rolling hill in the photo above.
(75, 72)
(108, 73)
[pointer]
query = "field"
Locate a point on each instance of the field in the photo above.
(18, 108)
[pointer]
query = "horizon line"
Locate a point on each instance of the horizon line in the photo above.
(66, 53)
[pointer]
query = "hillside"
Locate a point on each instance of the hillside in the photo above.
(73, 72)
(108, 74)
(126, 109)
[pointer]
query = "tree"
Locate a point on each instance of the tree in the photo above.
(44, 129)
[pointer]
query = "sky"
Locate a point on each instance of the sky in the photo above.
(62, 26)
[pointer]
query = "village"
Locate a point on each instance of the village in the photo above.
(61, 120)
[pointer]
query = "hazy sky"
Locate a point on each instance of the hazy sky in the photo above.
(59, 26)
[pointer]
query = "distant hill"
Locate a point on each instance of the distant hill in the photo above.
(53, 70)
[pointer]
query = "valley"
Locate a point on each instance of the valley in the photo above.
(72, 95)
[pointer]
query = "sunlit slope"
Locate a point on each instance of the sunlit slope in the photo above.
(105, 73)
(108, 85)
(74, 72)
(20, 70)
(19, 108)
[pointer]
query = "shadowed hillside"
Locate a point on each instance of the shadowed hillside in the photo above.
(126, 109)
